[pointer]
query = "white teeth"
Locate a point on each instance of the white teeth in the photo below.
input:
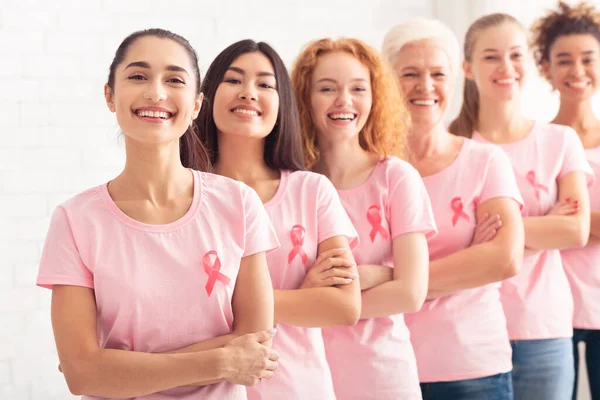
(244, 111)
(429, 102)
(153, 114)
(578, 85)
(347, 116)
(506, 81)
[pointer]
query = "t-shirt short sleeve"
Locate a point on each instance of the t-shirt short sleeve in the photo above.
(575, 159)
(61, 262)
(409, 204)
(500, 180)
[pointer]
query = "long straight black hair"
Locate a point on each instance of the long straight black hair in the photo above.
(283, 145)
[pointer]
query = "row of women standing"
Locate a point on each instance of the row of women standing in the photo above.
(167, 281)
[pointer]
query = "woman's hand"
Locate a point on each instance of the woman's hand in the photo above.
(567, 207)
(329, 270)
(486, 229)
(248, 359)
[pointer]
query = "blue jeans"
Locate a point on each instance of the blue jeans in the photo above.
(591, 338)
(495, 387)
(543, 369)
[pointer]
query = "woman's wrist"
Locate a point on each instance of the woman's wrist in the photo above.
(222, 361)
(212, 365)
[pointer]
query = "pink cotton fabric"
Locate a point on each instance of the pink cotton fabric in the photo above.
(374, 359)
(305, 211)
(159, 288)
(582, 266)
(537, 301)
(470, 340)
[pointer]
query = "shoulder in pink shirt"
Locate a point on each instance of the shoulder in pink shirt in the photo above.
(374, 359)
(471, 340)
(582, 266)
(537, 301)
(159, 287)
(305, 211)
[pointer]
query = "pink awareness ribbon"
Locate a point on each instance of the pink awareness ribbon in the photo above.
(297, 235)
(457, 207)
(213, 269)
(374, 218)
(537, 186)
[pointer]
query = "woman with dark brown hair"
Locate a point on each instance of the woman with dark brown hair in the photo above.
(251, 130)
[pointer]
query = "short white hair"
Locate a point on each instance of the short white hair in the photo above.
(421, 29)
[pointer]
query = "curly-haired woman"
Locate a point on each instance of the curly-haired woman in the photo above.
(567, 50)
(353, 123)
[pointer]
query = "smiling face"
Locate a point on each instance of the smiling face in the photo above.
(154, 94)
(246, 101)
(340, 96)
(574, 66)
(498, 64)
(425, 77)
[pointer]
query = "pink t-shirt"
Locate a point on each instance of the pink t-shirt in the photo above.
(374, 359)
(537, 301)
(471, 340)
(159, 287)
(305, 211)
(582, 266)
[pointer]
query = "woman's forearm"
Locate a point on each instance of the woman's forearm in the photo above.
(554, 232)
(472, 267)
(123, 374)
(316, 307)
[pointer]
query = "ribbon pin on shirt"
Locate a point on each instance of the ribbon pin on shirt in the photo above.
(297, 235)
(537, 186)
(213, 268)
(457, 207)
(374, 218)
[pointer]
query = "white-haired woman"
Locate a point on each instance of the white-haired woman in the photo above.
(459, 336)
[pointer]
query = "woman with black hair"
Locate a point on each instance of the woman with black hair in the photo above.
(251, 129)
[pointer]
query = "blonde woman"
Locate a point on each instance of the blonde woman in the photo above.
(552, 174)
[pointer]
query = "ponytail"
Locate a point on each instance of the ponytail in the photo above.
(466, 121)
(192, 152)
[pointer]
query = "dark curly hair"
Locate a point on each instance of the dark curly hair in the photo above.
(581, 19)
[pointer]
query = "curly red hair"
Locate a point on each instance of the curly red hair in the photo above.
(387, 126)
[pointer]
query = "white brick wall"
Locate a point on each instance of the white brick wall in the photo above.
(57, 136)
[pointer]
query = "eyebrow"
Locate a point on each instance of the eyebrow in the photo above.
(144, 64)
(334, 81)
(585, 53)
(430, 67)
(512, 48)
(242, 72)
